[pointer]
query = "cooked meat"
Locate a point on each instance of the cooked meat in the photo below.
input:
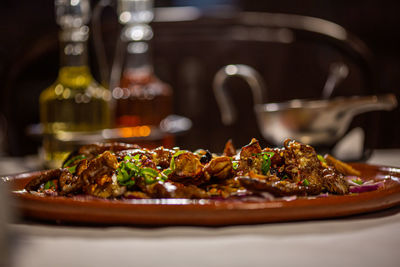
(279, 188)
(250, 150)
(97, 177)
(334, 182)
(95, 149)
(115, 169)
(69, 183)
(46, 176)
(220, 168)
(162, 157)
(342, 167)
(250, 158)
(277, 157)
(188, 169)
(302, 163)
(82, 165)
(99, 148)
(270, 177)
(175, 190)
(132, 152)
(229, 149)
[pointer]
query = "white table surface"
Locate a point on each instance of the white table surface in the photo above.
(364, 240)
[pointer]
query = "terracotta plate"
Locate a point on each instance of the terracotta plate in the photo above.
(206, 212)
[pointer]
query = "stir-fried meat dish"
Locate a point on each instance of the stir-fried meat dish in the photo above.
(118, 170)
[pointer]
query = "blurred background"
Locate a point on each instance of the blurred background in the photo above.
(189, 51)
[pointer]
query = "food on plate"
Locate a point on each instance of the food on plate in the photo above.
(124, 171)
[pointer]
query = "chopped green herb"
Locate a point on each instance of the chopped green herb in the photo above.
(72, 169)
(235, 165)
(165, 173)
(321, 158)
(358, 181)
(266, 163)
(49, 185)
(285, 177)
(270, 154)
(126, 173)
(172, 164)
(149, 175)
(306, 182)
(134, 167)
(131, 168)
(72, 160)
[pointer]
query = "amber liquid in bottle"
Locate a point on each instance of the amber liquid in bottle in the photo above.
(142, 99)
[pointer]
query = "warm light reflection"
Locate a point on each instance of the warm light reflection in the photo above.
(144, 130)
(66, 93)
(137, 131)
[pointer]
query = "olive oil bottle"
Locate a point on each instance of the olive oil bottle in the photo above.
(75, 102)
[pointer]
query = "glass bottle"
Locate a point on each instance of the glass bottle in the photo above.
(75, 102)
(141, 98)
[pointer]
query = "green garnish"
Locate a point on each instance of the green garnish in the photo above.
(49, 185)
(235, 165)
(131, 168)
(72, 160)
(172, 163)
(126, 171)
(72, 169)
(165, 173)
(285, 177)
(68, 164)
(321, 158)
(149, 175)
(129, 157)
(358, 181)
(306, 182)
(266, 163)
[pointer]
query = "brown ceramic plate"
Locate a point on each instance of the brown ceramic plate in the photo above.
(207, 212)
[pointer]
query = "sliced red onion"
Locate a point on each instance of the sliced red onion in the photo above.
(365, 187)
(350, 180)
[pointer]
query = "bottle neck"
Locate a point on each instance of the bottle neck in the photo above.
(73, 46)
(138, 56)
(74, 69)
(73, 54)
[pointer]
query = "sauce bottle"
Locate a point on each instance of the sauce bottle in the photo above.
(140, 97)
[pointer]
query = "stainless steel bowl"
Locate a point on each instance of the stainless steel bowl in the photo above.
(314, 122)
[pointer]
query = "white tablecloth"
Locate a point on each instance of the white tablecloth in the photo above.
(365, 240)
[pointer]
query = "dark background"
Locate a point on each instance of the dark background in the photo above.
(29, 63)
